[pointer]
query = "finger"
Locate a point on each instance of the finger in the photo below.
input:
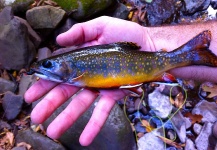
(100, 114)
(52, 101)
(72, 112)
(81, 33)
(39, 89)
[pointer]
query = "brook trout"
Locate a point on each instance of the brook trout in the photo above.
(122, 64)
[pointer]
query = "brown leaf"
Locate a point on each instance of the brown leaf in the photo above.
(179, 100)
(172, 143)
(211, 88)
(147, 125)
(193, 117)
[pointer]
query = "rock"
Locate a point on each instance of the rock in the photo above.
(19, 148)
(12, 105)
(33, 36)
(207, 109)
(214, 129)
(4, 125)
(214, 4)
(150, 142)
(25, 82)
(83, 9)
(160, 104)
(7, 85)
(197, 128)
(15, 43)
(45, 17)
(64, 26)
(115, 134)
(19, 6)
(44, 53)
(202, 140)
(189, 145)
(178, 121)
(192, 6)
(37, 140)
(162, 12)
(121, 11)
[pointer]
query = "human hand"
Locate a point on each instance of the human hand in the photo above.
(102, 30)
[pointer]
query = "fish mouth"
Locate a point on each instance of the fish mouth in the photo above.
(47, 75)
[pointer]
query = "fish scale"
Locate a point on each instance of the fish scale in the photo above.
(122, 64)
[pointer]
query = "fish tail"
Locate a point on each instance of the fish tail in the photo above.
(197, 50)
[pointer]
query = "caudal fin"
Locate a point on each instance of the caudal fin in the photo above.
(197, 50)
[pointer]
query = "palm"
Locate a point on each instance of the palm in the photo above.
(99, 31)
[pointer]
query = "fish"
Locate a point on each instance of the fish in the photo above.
(123, 64)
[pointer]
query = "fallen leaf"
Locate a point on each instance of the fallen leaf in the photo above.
(211, 88)
(179, 100)
(193, 117)
(147, 125)
(172, 143)
(10, 137)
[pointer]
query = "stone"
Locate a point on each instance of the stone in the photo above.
(121, 11)
(161, 12)
(12, 105)
(45, 17)
(25, 82)
(37, 140)
(19, 148)
(202, 140)
(160, 104)
(150, 141)
(189, 145)
(83, 9)
(207, 109)
(115, 134)
(197, 128)
(7, 85)
(214, 4)
(4, 125)
(33, 36)
(178, 121)
(214, 129)
(192, 6)
(15, 43)
(44, 53)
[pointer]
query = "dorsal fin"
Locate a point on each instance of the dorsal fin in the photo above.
(127, 45)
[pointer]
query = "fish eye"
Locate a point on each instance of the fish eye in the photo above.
(47, 64)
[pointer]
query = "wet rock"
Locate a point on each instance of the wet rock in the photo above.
(207, 109)
(44, 53)
(4, 125)
(202, 141)
(159, 12)
(15, 43)
(12, 105)
(115, 134)
(150, 141)
(25, 82)
(214, 130)
(197, 128)
(191, 6)
(121, 11)
(178, 121)
(214, 4)
(65, 26)
(7, 85)
(83, 9)
(37, 140)
(19, 148)
(171, 91)
(33, 36)
(160, 104)
(45, 17)
(189, 145)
